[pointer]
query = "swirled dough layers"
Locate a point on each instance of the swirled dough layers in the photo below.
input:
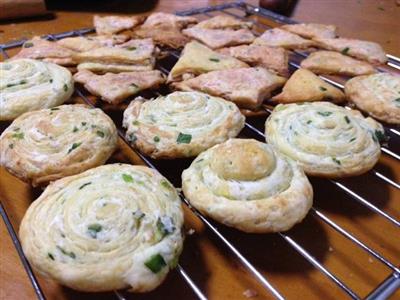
(49, 144)
(182, 124)
(325, 139)
(28, 84)
(112, 227)
(248, 185)
(378, 95)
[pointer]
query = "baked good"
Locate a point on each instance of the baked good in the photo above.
(312, 30)
(108, 25)
(325, 139)
(364, 50)
(378, 95)
(197, 59)
(86, 43)
(335, 63)
(28, 84)
(38, 48)
(247, 87)
(281, 38)
(115, 88)
(305, 86)
(48, 144)
(274, 59)
(181, 124)
(218, 38)
(112, 227)
(248, 185)
(166, 19)
(116, 59)
(224, 22)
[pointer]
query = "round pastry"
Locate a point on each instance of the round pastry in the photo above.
(246, 184)
(28, 84)
(181, 124)
(49, 144)
(377, 95)
(325, 139)
(113, 227)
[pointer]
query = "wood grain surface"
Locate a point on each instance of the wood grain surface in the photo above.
(209, 263)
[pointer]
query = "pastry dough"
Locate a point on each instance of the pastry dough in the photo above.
(280, 38)
(112, 24)
(49, 144)
(247, 87)
(116, 59)
(81, 44)
(224, 22)
(305, 86)
(330, 62)
(272, 58)
(38, 48)
(312, 30)
(325, 139)
(28, 84)
(171, 20)
(182, 124)
(248, 185)
(364, 50)
(115, 88)
(113, 227)
(197, 59)
(378, 95)
(218, 38)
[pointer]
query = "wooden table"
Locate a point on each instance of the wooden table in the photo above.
(210, 264)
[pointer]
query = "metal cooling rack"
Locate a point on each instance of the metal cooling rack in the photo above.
(245, 11)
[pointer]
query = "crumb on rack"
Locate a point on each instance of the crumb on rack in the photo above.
(249, 293)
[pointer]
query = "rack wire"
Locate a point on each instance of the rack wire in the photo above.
(385, 289)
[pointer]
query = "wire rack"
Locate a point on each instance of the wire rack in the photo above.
(256, 15)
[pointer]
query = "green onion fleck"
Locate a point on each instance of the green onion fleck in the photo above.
(380, 136)
(75, 129)
(214, 59)
(83, 123)
(136, 122)
(55, 108)
(51, 256)
(166, 184)
(165, 226)
(93, 229)
(336, 161)
(322, 88)
(127, 178)
(28, 45)
(83, 185)
(353, 139)
(100, 133)
(309, 121)
(155, 263)
(132, 138)
(63, 251)
(51, 80)
(74, 146)
(18, 136)
(134, 85)
(11, 146)
(346, 118)
(131, 48)
(65, 87)
(184, 138)
(324, 113)
(156, 139)
(345, 50)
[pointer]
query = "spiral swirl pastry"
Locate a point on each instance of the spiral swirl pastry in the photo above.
(113, 227)
(181, 124)
(246, 184)
(49, 144)
(28, 84)
(325, 139)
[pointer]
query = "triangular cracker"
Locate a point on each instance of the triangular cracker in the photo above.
(280, 38)
(312, 30)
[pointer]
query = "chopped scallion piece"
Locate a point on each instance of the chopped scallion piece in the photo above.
(127, 178)
(155, 263)
(184, 138)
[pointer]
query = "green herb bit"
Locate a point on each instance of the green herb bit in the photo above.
(131, 48)
(65, 87)
(166, 184)
(127, 178)
(324, 113)
(200, 160)
(397, 101)
(74, 146)
(134, 85)
(184, 138)
(51, 256)
(132, 138)
(155, 263)
(309, 121)
(380, 136)
(51, 80)
(214, 59)
(23, 82)
(55, 108)
(322, 88)
(28, 45)
(75, 129)
(11, 146)
(345, 50)
(138, 215)
(18, 136)
(165, 226)
(83, 185)
(156, 139)
(63, 251)
(136, 122)
(336, 161)
(83, 123)
(353, 139)
(347, 119)
(93, 229)
(100, 133)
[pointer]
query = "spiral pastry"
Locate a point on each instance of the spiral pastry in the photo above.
(49, 144)
(246, 184)
(113, 227)
(181, 124)
(28, 84)
(325, 139)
